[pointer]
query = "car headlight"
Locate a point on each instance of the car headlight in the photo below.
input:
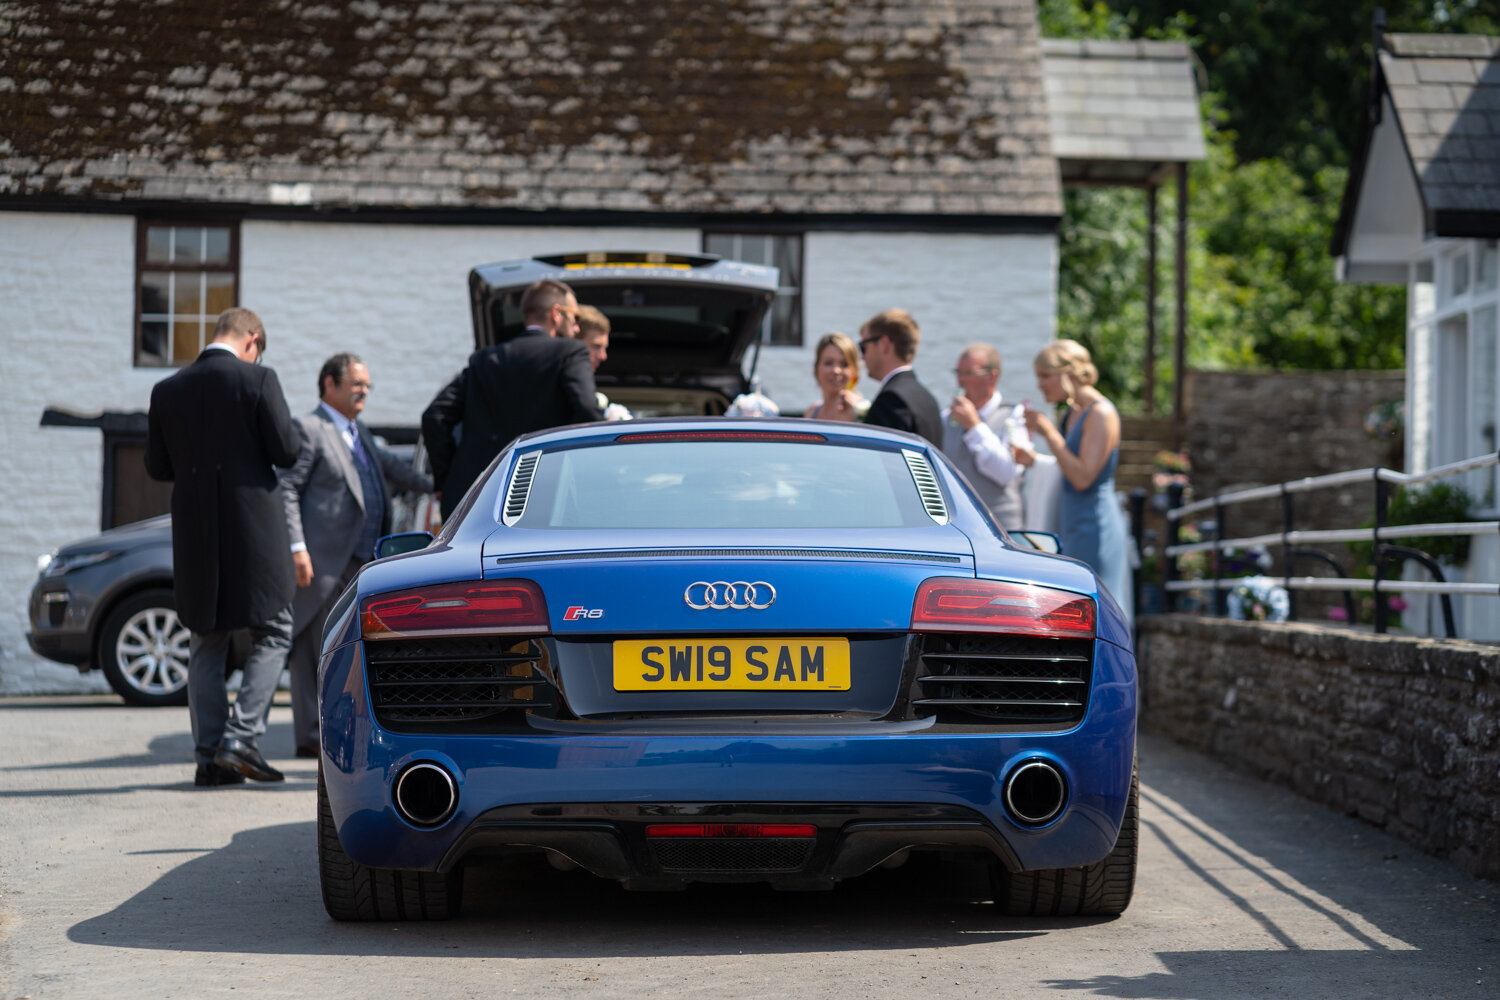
(58, 565)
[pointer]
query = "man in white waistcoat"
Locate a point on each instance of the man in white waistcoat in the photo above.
(978, 430)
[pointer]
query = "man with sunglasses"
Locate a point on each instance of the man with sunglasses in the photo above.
(215, 430)
(538, 379)
(888, 343)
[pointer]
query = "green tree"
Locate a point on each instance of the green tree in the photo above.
(1262, 291)
(1295, 73)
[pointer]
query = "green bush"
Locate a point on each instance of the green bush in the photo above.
(1439, 503)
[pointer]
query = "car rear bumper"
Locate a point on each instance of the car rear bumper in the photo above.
(588, 796)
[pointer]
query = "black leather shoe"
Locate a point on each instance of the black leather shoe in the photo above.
(307, 751)
(211, 775)
(237, 755)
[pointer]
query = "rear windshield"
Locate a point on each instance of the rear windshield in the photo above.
(741, 484)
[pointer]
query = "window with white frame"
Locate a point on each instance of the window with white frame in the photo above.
(1451, 431)
(186, 274)
(1483, 370)
(783, 251)
(1454, 358)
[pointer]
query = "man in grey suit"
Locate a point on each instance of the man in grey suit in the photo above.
(337, 499)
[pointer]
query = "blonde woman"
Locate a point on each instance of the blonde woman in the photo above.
(1087, 449)
(836, 368)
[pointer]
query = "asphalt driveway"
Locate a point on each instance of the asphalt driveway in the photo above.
(119, 879)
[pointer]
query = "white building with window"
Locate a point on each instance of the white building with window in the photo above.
(1423, 209)
(343, 183)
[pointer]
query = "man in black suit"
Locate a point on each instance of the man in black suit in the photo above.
(215, 430)
(338, 504)
(539, 379)
(888, 343)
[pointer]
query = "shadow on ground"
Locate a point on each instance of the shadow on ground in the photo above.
(522, 908)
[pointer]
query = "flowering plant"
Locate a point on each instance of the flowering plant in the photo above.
(1191, 565)
(1386, 419)
(1171, 468)
(1259, 599)
(1246, 562)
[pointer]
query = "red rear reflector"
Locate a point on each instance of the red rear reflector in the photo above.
(645, 436)
(737, 830)
(476, 606)
(991, 606)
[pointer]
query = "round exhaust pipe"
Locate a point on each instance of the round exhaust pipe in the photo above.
(1035, 792)
(425, 794)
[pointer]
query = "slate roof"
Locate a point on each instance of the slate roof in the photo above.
(924, 107)
(1122, 112)
(1446, 91)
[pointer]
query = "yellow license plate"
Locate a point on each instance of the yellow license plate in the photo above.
(731, 665)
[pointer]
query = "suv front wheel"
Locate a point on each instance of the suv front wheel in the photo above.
(143, 649)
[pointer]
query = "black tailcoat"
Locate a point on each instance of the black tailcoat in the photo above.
(216, 428)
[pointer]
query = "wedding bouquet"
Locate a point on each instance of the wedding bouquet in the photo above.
(1259, 599)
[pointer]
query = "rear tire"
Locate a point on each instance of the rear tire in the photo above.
(352, 891)
(143, 649)
(1102, 889)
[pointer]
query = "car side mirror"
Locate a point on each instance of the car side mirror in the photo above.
(406, 541)
(1042, 541)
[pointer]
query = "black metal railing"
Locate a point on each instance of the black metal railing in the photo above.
(1293, 542)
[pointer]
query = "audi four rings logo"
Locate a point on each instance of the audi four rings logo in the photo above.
(721, 596)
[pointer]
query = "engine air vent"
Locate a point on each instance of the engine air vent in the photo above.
(462, 683)
(927, 486)
(520, 488)
(1017, 680)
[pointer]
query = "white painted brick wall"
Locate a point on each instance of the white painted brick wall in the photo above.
(961, 289)
(65, 305)
(397, 295)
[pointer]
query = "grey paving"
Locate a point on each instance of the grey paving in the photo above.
(116, 878)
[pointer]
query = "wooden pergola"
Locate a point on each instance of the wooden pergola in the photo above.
(1125, 114)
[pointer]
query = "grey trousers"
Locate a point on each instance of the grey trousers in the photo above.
(307, 647)
(212, 716)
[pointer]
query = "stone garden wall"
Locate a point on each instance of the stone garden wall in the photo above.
(1248, 429)
(1402, 732)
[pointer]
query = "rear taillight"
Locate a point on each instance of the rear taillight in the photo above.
(474, 607)
(738, 831)
(992, 606)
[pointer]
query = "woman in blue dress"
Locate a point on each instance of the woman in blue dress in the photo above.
(1087, 449)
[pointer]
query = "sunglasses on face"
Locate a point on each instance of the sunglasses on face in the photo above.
(866, 342)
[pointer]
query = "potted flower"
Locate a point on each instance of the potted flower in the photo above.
(1168, 469)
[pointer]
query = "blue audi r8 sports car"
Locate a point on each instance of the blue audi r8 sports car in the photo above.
(725, 650)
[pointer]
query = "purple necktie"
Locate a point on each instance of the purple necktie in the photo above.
(359, 450)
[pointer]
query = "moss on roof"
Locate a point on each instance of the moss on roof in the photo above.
(741, 105)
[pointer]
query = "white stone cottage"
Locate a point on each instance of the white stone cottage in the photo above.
(1423, 209)
(340, 167)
